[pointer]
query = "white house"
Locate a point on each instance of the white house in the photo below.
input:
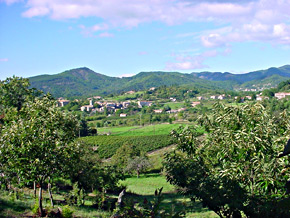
(144, 103)
(281, 95)
(87, 107)
(158, 111)
(62, 102)
(221, 97)
(193, 104)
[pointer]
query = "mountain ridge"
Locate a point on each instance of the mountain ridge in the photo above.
(86, 82)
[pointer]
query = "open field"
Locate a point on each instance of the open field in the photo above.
(145, 186)
(158, 129)
(175, 105)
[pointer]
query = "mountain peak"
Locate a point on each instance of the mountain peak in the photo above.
(83, 73)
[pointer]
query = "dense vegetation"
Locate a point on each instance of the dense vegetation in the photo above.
(234, 168)
(38, 147)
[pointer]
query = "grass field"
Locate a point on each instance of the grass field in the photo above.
(146, 185)
(175, 105)
(158, 129)
(12, 208)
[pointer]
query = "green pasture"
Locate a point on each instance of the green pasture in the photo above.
(175, 105)
(145, 186)
(158, 129)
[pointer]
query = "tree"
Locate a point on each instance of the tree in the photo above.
(14, 91)
(268, 93)
(138, 165)
(233, 168)
(36, 142)
(123, 154)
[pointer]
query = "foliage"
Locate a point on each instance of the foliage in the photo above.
(284, 86)
(108, 145)
(15, 91)
(234, 168)
(138, 164)
(76, 196)
(35, 208)
(89, 174)
(123, 154)
(36, 138)
(67, 212)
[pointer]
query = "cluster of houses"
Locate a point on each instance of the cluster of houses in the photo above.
(281, 95)
(159, 111)
(214, 97)
(101, 106)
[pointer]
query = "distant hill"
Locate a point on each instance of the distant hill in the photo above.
(243, 78)
(85, 82)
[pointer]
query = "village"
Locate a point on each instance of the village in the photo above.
(98, 104)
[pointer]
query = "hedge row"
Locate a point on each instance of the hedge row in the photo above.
(107, 145)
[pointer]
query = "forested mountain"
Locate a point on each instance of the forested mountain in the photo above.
(283, 71)
(85, 82)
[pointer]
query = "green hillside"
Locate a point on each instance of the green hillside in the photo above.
(85, 82)
(283, 71)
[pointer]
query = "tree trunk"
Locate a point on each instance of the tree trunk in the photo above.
(41, 212)
(34, 189)
(138, 173)
(50, 194)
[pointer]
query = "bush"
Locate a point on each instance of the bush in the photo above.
(67, 212)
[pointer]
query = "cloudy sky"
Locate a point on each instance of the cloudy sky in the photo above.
(124, 37)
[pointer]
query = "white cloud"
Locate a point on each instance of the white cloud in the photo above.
(106, 35)
(3, 59)
(89, 31)
(127, 75)
(192, 62)
(9, 2)
(256, 20)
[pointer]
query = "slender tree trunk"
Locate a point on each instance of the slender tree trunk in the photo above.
(138, 173)
(41, 212)
(34, 189)
(50, 194)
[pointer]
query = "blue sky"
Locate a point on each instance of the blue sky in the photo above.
(125, 37)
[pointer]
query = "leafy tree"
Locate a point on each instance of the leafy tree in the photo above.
(138, 165)
(234, 168)
(14, 91)
(284, 86)
(36, 141)
(123, 154)
(269, 93)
